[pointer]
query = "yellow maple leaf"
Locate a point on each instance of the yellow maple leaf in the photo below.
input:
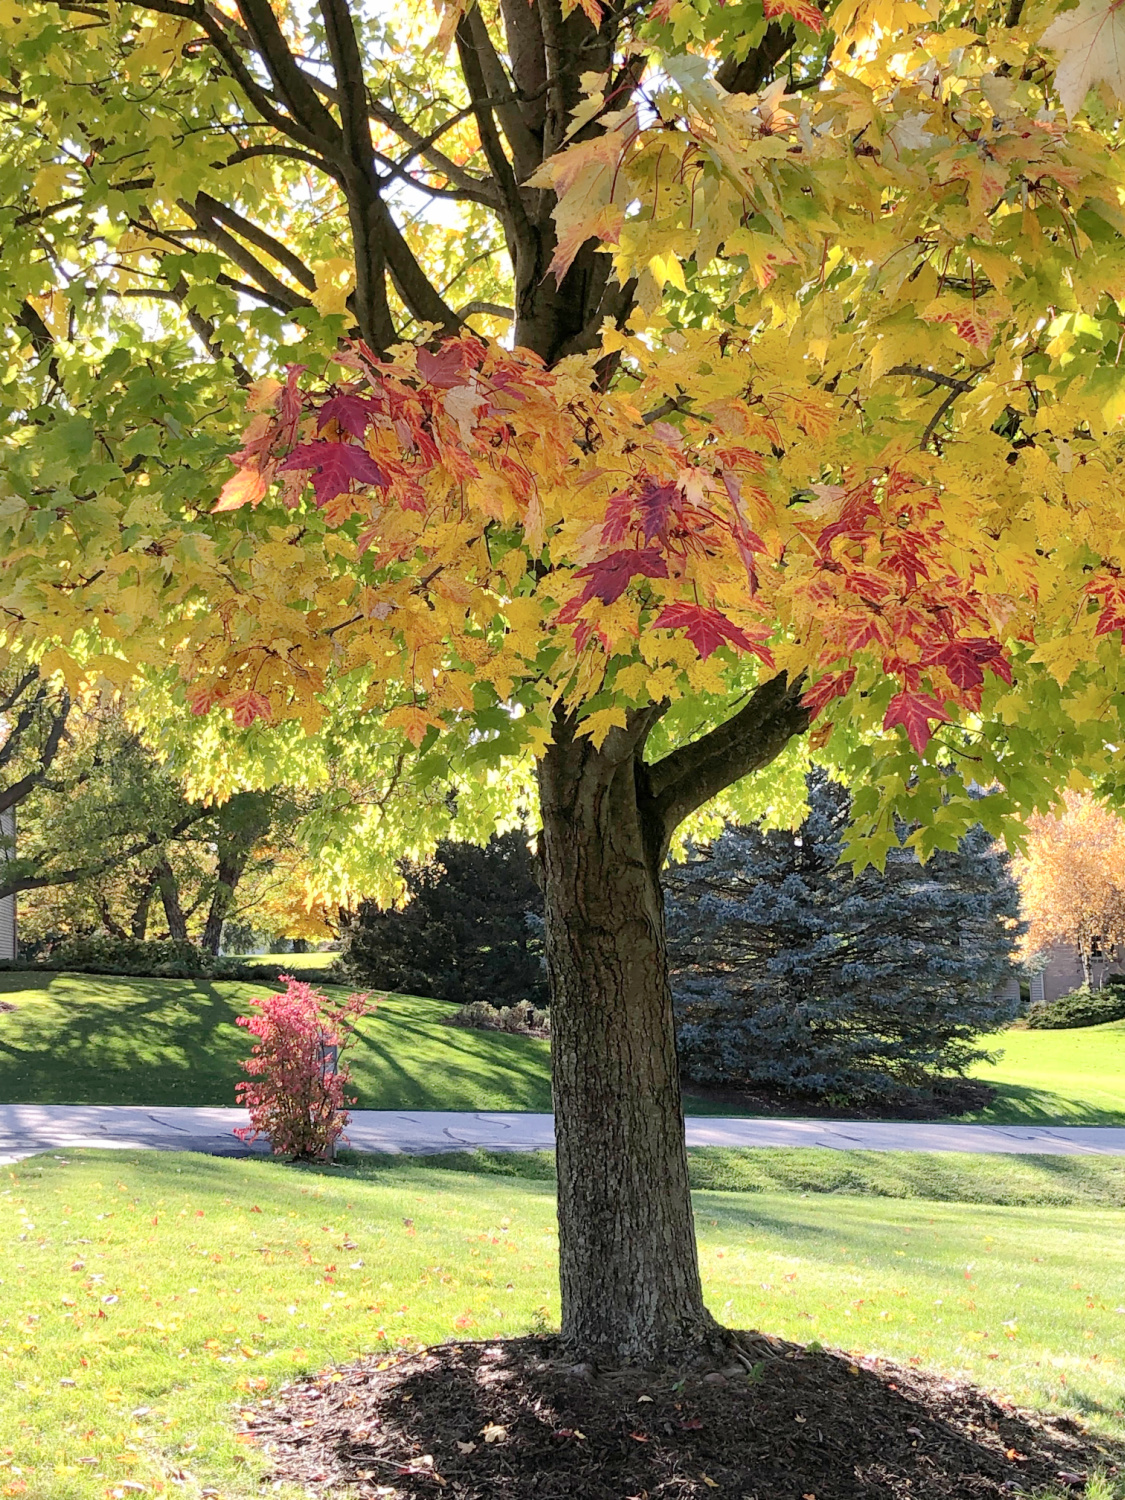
(335, 279)
(1091, 42)
(598, 724)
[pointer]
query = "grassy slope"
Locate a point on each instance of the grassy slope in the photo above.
(97, 1039)
(1068, 1077)
(90, 1039)
(100, 1039)
(938, 1176)
(169, 1288)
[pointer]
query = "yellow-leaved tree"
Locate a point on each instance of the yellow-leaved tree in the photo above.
(1072, 877)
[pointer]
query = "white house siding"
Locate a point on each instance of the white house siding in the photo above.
(7, 903)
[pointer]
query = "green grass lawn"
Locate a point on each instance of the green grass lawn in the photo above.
(1064, 1077)
(295, 962)
(100, 1039)
(145, 1297)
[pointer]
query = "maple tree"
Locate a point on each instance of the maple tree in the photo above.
(612, 391)
(1072, 878)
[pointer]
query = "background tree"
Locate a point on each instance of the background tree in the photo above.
(110, 839)
(463, 933)
(872, 330)
(790, 972)
(1073, 880)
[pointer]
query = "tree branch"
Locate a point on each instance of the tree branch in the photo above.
(690, 776)
(422, 145)
(292, 84)
(474, 41)
(15, 884)
(259, 237)
(235, 251)
(13, 795)
(502, 170)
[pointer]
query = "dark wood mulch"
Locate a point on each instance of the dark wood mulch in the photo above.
(956, 1097)
(512, 1421)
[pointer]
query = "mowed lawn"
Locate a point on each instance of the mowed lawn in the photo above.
(147, 1297)
(99, 1039)
(1074, 1077)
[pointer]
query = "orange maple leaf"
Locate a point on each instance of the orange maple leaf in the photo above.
(799, 10)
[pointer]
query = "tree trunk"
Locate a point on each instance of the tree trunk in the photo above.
(228, 875)
(170, 897)
(138, 924)
(628, 1267)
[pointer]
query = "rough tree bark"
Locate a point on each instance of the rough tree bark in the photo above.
(629, 1272)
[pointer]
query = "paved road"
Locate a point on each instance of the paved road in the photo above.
(29, 1128)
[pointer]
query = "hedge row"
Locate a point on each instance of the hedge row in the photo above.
(156, 960)
(1081, 1007)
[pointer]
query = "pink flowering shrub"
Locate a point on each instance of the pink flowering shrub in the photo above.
(295, 1098)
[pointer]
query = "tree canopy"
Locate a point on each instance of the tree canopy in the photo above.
(859, 267)
(611, 386)
(1073, 881)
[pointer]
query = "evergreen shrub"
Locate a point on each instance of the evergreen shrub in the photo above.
(152, 960)
(791, 973)
(1081, 1007)
(466, 932)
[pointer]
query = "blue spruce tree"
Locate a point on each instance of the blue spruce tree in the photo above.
(790, 973)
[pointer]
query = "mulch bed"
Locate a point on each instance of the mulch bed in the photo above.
(956, 1097)
(512, 1420)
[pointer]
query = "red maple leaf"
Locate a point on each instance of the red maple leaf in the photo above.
(248, 706)
(656, 503)
(707, 628)
(610, 576)
(1111, 590)
(800, 10)
(618, 513)
(835, 685)
(914, 712)
(443, 369)
(352, 412)
(334, 466)
(959, 661)
(963, 660)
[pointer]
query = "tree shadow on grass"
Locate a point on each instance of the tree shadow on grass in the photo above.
(146, 1042)
(1019, 1104)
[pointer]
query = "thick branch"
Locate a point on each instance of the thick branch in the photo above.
(9, 700)
(501, 168)
(290, 81)
(690, 776)
(13, 795)
(235, 251)
(747, 76)
(474, 41)
(259, 237)
(14, 884)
